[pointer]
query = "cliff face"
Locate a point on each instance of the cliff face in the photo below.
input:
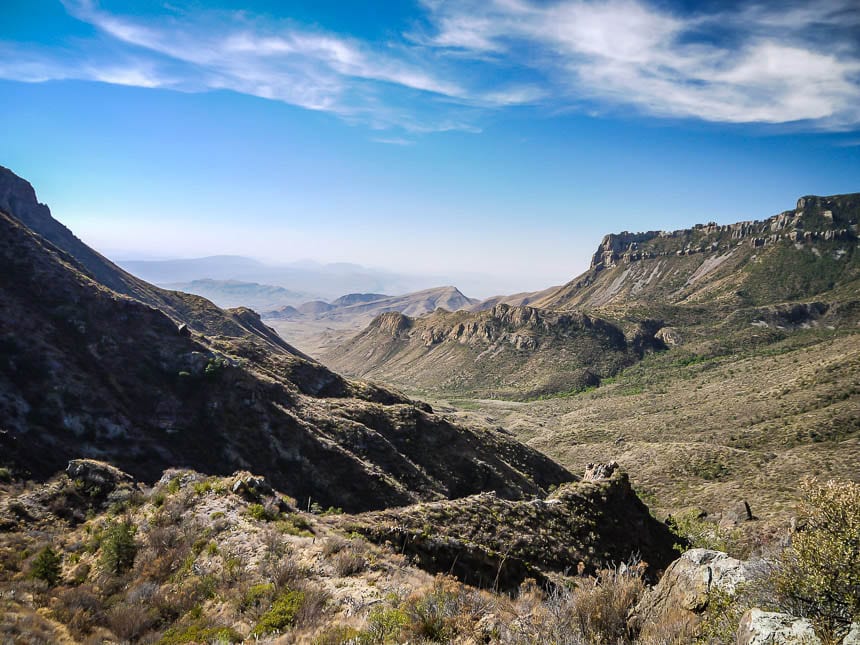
(89, 371)
(796, 254)
(815, 218)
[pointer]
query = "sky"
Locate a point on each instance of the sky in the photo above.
(491, 138)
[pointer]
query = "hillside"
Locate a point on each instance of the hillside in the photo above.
(201, 559)
(505, 351)
(150, 379)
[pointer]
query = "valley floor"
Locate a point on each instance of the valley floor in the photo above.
(705, 432)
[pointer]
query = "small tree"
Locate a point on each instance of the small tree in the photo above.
(46, 566)
(818, 575)
(118, 547)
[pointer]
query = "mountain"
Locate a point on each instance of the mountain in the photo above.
(313, 279)
(357, 298)
(321, 325)
(98, 363)
(794, 255)
(505, 351)
(643, 291)
(235, 293)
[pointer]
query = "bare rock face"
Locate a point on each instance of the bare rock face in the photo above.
(669, 336)
(596, 472)
(759, 627)
(688, 583)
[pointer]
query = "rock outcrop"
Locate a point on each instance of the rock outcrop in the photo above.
(688, 584)
(759, 627)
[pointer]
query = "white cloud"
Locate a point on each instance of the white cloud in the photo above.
(761, 63)
(765, 68)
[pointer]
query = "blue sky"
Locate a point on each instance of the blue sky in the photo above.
(497, 137)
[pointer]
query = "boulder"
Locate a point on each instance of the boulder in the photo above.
(687, 585)
(853, 635)
(759, 627)
(97, 475)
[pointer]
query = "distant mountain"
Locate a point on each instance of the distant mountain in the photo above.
(515, 300)
(234, 293)
(643, 291)
(357, 298)
(314, 280)
(98, 363)
(506, 351)
(318, 326)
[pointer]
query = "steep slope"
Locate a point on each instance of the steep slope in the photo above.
(514, 300)
(794, 255)
(505, 351)
(150, 379)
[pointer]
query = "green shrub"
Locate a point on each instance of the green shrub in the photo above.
(256, 596)
(46, 566)
(818, 575)
(282, 615)
(200, 633)
(5, 474)
(338, 635)
(384, 625)
(118, 547)
(261, 513)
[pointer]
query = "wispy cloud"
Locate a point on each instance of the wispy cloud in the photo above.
(770, 64)
(762, 64)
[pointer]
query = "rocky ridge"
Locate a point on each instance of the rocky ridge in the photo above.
(150, 379)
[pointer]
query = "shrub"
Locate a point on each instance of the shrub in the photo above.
(5, 474)
(200, 632)
(282, 615)
(118, 547)
(262, 513)
(131, 621)
(818, 575)
(348, 562)
(256, 596)
(46, 566)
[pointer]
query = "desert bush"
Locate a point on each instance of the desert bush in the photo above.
(46, 566)
(282, 615)
(337, 635)
(818, 574)
(118, 547)
(256, 597)
(600, 606)
(130, 621)
(349, 562)
(199, 632)
(263, 513)
(79, 609)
